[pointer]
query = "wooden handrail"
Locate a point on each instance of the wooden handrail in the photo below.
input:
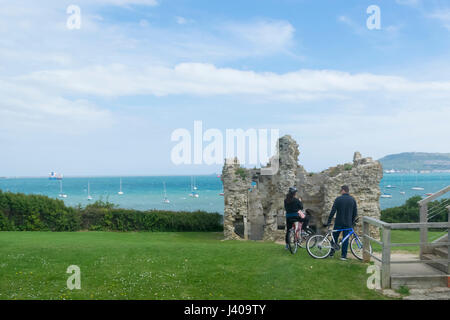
(435, 195)
(387, 244)
(416, 225)
(376, 222)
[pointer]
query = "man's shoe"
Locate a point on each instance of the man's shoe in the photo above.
(343, 258)
(287, 246)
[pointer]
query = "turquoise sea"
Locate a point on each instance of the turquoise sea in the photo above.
(148, 192)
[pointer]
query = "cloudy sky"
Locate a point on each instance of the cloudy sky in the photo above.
(104, 99)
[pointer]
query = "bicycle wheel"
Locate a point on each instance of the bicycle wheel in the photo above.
(356, 247)
(318, 246)
(292, 243)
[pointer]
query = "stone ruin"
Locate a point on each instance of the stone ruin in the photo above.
(254, 202)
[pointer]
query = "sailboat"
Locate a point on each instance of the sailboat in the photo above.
(193, 193)
(120, 192)
(61, 194)
(166, 200)
(89, 192)
(195, 187)
(401, 186)
(386, 195)
(417, 186)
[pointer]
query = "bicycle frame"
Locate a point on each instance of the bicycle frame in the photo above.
(297, 226)
(352, 232)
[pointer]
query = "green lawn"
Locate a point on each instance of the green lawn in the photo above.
(408, 236)
(148, 265)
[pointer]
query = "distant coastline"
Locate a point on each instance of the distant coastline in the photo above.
(416, 162)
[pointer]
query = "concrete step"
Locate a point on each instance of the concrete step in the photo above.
(441, 266)
(441, 252)
(418, 282)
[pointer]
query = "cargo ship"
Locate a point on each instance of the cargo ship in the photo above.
(55, 176)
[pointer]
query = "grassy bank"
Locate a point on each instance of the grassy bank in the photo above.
(144, 265)
(408, 236)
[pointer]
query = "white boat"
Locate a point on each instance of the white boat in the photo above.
(401, 186)
(417, 186)
(385, 195)
(55, 176)
(166, 200)
(120, 192)
(89, 192)
(61, 193)
(193, 193)
(195, 187)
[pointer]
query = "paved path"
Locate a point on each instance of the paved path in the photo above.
(438, 293)
(408, 269)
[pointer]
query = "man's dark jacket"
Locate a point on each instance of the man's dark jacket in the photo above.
(345, 206)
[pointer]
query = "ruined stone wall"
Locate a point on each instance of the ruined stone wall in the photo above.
(254, 203)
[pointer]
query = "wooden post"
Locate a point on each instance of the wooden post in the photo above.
(366, 241)
(386, 258)
(424, 229)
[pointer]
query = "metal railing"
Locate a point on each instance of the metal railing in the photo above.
(386, 244)
(425, 215)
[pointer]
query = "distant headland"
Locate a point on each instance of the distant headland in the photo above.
(416, 162)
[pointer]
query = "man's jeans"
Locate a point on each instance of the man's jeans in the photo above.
(344, 244)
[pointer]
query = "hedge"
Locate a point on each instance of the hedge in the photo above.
(409, 212)
(20, 212)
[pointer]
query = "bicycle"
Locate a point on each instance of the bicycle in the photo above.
(298, 237)
(320, 246)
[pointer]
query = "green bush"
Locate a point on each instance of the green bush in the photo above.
(242, 173)
(409, 212)
(35, 212)
(348, 166)
(20, 212)
(104, 216)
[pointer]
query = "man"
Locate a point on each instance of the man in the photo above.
(346, 211)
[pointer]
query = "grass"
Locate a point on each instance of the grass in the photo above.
(408, 236)
(148, 265)
(403, 290)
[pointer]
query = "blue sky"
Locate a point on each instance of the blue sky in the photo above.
(104, 99)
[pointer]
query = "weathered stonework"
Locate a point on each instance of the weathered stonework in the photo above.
(254, 203)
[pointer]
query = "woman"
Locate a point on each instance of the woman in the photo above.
(293, 207)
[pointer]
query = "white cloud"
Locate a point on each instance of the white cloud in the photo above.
(181, 20)
(411, 3)
(126, 2)
(24, 108)
(277, 35)
(207, 79)
(443, 16)
(333, 137)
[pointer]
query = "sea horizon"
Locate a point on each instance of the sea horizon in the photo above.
(146, 192)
